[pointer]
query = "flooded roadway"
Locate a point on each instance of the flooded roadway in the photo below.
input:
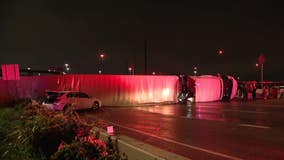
(218, 130)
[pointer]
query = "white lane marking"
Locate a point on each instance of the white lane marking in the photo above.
(256, 112)
(254, 126)
(254, 104)
(259, 105)
(179, 143)
(230, 110)
(217, 111)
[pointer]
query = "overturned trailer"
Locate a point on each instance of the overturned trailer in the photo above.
(112, 90)
(124, 90)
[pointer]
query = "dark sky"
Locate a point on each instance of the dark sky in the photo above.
(180, 35)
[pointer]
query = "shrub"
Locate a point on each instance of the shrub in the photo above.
(47, 128)
(88, 146)
(35, 132)
(40, 132)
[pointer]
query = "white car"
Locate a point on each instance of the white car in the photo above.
(63, 100)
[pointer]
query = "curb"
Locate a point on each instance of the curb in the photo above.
(137, 150)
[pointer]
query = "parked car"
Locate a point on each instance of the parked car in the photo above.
(63, 100)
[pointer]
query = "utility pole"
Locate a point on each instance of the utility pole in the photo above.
(262, 73)
(145, 57)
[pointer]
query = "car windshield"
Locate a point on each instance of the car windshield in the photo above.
(51, 97)
(57, 94)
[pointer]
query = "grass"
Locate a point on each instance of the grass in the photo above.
(10, 120)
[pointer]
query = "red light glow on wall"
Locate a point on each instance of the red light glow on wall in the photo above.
(124, 89)
(10, 72)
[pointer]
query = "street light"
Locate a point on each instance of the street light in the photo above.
(102, 56)
(67, 67)
(220, 51)
(131, 69)
(220, 60)
(195, 70)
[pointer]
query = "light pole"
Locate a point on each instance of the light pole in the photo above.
(261, 60)
(101, 57)
(145, 57)
(262, 73)
(257, 69)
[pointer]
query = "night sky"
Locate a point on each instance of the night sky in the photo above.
(180, 35)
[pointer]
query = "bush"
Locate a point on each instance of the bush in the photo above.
(39, 132)
(48, 128)
(87, 147)
(35, 132)
(77, 150)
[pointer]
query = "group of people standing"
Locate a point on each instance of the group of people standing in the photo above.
(247, 90)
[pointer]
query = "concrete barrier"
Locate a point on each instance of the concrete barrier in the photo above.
(137, 150)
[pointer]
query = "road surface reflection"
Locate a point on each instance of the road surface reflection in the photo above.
(217, 111)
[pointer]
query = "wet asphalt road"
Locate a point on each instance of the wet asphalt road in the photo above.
(216, 130)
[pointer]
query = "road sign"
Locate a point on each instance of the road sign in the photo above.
(110, 130)
(261, 59)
